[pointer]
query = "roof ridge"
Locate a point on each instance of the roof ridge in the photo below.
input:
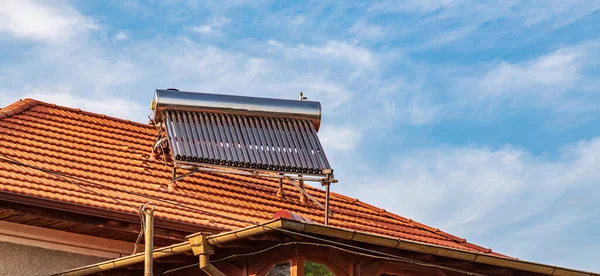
(23, 104)
(18, 107)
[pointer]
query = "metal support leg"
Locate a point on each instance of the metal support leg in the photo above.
(280, 191)
(172, 182)
(327, 184)
(302, 195)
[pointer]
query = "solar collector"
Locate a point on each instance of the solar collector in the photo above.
(269, 134)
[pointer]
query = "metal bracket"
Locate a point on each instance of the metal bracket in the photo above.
(200, 245)
(325, 181)
(219, 169)
(203, 249)
(307, 194)
(177, 178)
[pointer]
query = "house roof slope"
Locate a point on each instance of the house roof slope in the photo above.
(117, 153)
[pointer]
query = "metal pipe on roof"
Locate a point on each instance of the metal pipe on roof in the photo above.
(231, 141)
(237, 105)
(172, 136)
(187, 137)
(269, 145)
(213, 138)
(180, 130)
(198, 140)
(223, 139)
(244, 138)
(274, 134)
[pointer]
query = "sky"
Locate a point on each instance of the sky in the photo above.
(478, 118)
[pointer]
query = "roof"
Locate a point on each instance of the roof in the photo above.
(117, 153)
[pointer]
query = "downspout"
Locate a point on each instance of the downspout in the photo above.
(202, 248)
(149, 240)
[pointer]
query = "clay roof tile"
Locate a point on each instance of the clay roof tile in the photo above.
(116, 153)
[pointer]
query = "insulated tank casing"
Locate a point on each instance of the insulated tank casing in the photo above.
(235, 105)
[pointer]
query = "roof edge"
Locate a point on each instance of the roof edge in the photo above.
(22, 105)
(336, 232)
(425, 248)
(416, 224)
(108, 214)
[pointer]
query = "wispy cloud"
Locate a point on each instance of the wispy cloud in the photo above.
(477, 191)
(213, 27)
(297, 20)
(340, 138)
(561, 82)
(120, 35)
(341, 50)
(425, 6)
(45, 21)
(365, 30)
(109, 105)
(468, 24)
(554, 72)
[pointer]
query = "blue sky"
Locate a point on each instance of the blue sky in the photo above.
(480, 118)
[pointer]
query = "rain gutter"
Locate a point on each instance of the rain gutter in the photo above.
(339, 233)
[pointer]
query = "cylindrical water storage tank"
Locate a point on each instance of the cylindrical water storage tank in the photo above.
(236, 105)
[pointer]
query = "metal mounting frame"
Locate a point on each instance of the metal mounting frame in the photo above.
(325, 180)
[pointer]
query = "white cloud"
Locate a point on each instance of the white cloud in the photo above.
(111, 106)
(297, 20)
(364, 30)
(275, 43)
(561, 82)
(37, 20)
(213, 27)
(346, 51)
(547, 74)
(554, 12)
(120, 35)
(422, 6)
(203, 29)
(86, 68)
(77, 74)
(465, 24)
(340, 50)
(81, 66)
(558, 13)
(480, 192)
(339, 138)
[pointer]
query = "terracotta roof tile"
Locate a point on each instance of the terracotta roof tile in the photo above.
(116, 153)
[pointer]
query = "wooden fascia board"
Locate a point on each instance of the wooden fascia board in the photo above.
(63, 241)
(107, 214)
